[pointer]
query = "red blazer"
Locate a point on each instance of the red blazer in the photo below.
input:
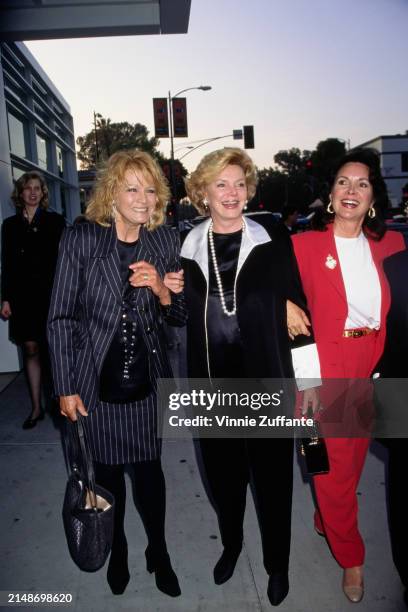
(326, 295)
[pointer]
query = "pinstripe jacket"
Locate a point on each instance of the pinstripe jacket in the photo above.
(87, 301)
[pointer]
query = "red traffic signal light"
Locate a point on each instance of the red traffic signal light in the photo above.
(249, 137)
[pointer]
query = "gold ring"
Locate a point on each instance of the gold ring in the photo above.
(145, 276)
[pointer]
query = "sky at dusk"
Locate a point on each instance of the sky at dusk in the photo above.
(300, 71)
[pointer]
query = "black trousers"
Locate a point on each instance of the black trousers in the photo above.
(150, 493)
(397, 514)
(267, 464)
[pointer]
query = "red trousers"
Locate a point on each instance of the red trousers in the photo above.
(336, 492)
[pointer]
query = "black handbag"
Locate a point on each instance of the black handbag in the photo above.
(88, 509)
(314, 450)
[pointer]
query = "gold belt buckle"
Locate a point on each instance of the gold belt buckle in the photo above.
(353, 333)
(357, 333)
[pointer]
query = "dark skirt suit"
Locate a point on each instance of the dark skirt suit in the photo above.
(94, 316)
(88, 305)
(257, 345)
(341, 358)
(29, 257)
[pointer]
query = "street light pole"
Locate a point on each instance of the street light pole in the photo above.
(171, 132)
(208, 140)
(171, 98)
(96, 141)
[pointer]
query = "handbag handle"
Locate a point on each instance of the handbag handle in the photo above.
(88, 473)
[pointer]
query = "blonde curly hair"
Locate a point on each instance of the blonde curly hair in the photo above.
(210, 167)
(111, 178)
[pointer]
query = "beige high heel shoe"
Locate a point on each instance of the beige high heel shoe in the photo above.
(353, 583)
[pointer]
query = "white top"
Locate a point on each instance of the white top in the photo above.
(360, 276)
(306, 365)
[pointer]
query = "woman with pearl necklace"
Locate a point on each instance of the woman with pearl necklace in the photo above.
(238, 276)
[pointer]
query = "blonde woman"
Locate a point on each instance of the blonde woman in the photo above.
(108, 347)
(238, 278)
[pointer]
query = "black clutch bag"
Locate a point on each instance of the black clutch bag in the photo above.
(314, 450)
(88, 508)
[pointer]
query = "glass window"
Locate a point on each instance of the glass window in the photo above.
(57, 108)
(63, 134)
(17, 172)
(60, 161)
(63, 202)
(17, 136)
(41, 114)
(39, 89)
(13, 88)
(42, 151)
(11, 58)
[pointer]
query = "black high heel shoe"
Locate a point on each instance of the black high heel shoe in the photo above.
(118, 572)
(29, 423)
(166, 579)
(278, 587)
(225, 566)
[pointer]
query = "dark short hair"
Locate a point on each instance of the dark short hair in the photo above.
(287, 211)
(373, 228)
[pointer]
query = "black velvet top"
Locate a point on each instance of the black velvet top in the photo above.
(224, 337)
(125, 371)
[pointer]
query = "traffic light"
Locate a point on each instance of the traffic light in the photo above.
(249, 137)
(309, 168)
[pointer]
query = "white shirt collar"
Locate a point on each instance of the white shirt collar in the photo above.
(195, 244)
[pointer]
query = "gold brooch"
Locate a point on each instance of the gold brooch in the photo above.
(331, 263)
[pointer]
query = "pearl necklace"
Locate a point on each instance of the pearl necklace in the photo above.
(229, 313)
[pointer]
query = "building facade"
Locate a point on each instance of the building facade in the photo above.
(394, 163)
(36, 133)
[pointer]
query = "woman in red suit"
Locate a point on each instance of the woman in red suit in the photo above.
(348, 299)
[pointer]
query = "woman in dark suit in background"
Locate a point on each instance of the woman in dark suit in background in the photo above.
(108, 346)
(392, 407)
(29, 254)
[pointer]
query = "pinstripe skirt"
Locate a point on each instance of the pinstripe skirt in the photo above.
(124, 433)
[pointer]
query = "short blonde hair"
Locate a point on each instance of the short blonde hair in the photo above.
(112, 177)
(211, 166)
(21, 184)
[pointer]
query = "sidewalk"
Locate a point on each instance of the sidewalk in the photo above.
(34, 555)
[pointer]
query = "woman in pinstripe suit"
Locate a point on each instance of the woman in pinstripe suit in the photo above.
(108, 347)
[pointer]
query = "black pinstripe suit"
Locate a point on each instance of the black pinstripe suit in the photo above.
(85, 312)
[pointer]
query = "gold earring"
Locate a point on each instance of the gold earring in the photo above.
(205, 203)
(371, 212)
(330, 208)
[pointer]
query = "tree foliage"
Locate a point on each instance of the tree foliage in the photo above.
(328, 152)
(292, 161)
(107, 138)
(300, 176)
